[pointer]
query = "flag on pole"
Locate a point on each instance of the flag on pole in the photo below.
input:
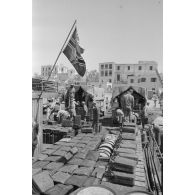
(73, 52)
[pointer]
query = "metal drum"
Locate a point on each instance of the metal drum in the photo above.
(139, 193)
(106, 145)
(95, 190)
(105, 150)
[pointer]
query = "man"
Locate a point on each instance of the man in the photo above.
(85, 110)
(72, 108)
(119, 115)
(154, 99)
(54, 110)
(63, 114)
(144, 115)
(95, 117)
(128, 103)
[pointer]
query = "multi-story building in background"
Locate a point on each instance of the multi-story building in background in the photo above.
(60, 73)
(143, 74)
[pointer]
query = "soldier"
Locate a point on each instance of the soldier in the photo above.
(128, 103)
(95, 117)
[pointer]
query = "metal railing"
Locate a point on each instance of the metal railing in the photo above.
(154, 162)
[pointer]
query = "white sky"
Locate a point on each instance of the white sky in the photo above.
(122, 31)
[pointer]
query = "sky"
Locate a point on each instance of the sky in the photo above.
(121, 31)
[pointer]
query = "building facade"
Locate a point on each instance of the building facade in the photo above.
(60, 72)
(142, 74)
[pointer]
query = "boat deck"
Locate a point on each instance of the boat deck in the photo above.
(70, 164)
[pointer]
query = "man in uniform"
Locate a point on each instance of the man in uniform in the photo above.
(128, 103)
(95, 117)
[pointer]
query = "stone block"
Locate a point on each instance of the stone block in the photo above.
(75, 161)
(68, 168)
(35, 171)
(54, 166)
(42, 156)
(74, 150)
(76, 180)
(40, 164)
(65, 148)
(43, 181)
(48, 151)
(54, 147)
(79, 145)
(59, 189)
(92, 155)
(68, 156)
(88, 163)
(53, 158)
(83, 171)
(59, 153)
(89, 181)
(60, 177)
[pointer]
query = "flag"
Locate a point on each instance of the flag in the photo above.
(73, 52)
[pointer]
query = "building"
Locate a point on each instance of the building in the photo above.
(60, 73)
(143, 74)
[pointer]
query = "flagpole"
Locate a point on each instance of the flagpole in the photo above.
(55, 64)
(60, 52)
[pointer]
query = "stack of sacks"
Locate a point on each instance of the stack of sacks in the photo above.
(106, 148)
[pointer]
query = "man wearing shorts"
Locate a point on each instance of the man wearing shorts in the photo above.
(128, 103)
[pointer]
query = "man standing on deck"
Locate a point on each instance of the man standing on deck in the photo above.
(95, 117)
(128, 103)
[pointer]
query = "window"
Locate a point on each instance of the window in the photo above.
(118, 77)
(102, 66)
(110, 66)
(102, 73)
(153, 89)
(118, 67)
(138, 80)
(110, 80)
(139, 68)
(151, 67)
(143, 79)
(106, 65)
(153, 79)
(106, 73)
(128, 67)
(132, 81)
(43, 69)
(110, 73)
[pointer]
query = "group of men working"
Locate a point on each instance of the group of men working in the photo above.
(69, 112)
(127, 104)
(126, 112)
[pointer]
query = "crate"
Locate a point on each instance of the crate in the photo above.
(67, 123)
(87, 130)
